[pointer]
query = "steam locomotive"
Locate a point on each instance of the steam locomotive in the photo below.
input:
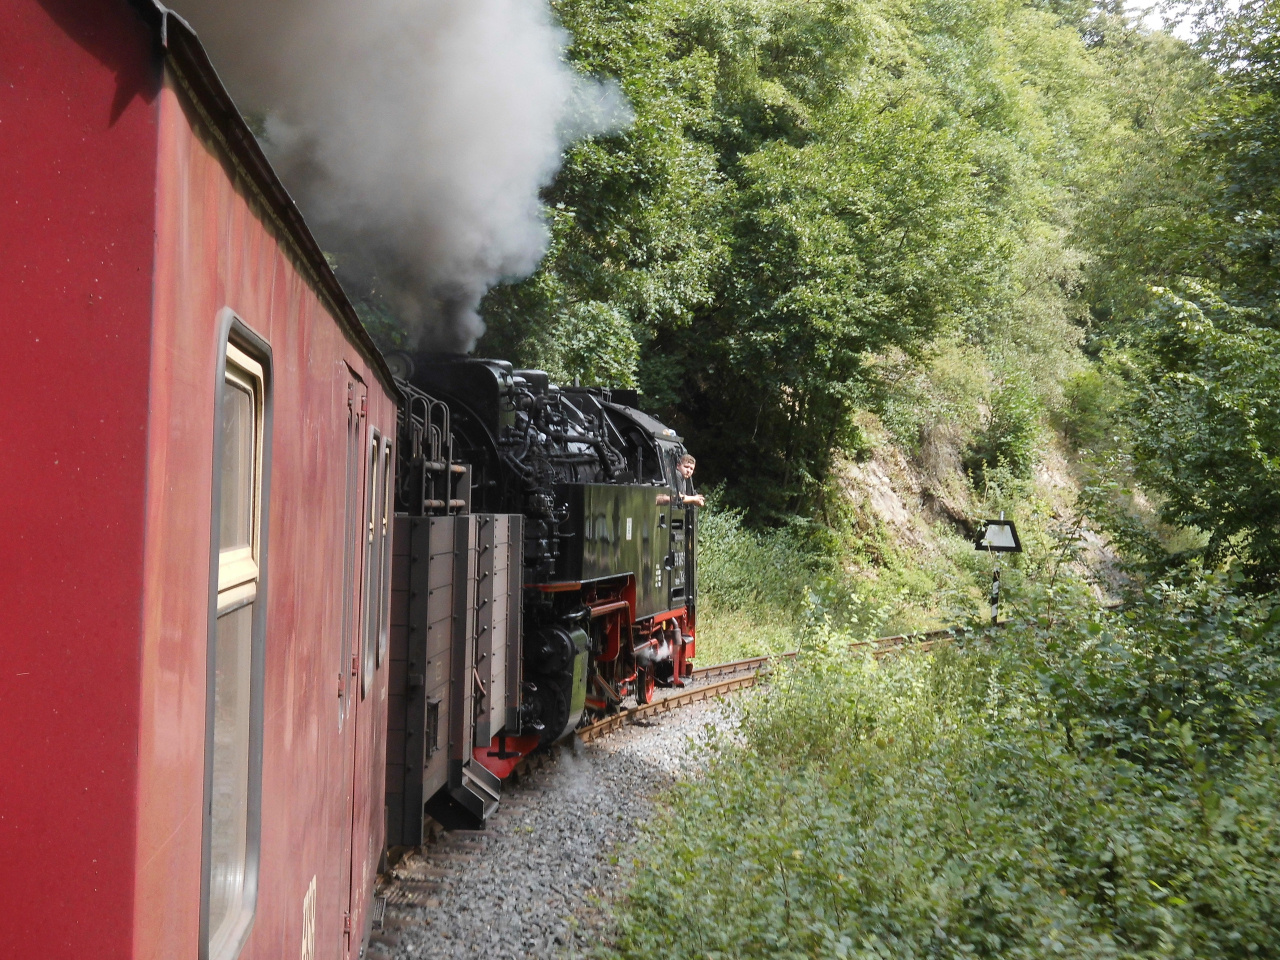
(543, 573)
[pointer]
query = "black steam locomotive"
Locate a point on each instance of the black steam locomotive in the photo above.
(544, 558)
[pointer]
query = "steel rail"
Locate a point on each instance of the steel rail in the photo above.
(879, 647)
(750, 665)
(691, 695)
(921, 642)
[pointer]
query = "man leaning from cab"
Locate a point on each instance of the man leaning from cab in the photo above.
(684, 496)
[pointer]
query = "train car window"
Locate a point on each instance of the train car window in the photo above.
(384, 576)
(373, 566)
(238, 414)
(353, 540)
(233, 747)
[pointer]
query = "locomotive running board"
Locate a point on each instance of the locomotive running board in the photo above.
(469, 800)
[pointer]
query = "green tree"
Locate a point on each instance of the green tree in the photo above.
(1208, 436)
(805, 186)
(1186, 280)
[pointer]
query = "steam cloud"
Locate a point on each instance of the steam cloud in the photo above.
(414, 134)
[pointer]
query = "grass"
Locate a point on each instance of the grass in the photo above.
(1086, 784)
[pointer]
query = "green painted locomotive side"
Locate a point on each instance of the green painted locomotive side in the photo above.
(615, 530)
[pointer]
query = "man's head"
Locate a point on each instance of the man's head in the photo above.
(686, 465)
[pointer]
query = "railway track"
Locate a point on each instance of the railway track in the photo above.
(741, 674)
(674, 702)
(750, 665)
(920, 642)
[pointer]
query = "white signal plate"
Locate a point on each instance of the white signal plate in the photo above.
(1000, 536)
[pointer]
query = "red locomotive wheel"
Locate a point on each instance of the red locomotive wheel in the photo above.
(645, 685)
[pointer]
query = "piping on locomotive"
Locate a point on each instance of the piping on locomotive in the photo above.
(543, 573)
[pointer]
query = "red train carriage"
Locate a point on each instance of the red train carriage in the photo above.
(195, 497)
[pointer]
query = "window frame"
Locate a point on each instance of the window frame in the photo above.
(373, 531)
(244, 581)
(241, 567)
(388, 529)
(353, 537)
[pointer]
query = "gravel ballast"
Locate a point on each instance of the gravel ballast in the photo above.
(538, 881)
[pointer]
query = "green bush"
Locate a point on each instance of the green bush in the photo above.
(1011, 433)
(740, 568)
(754, 586)
(758, 588)
(1089, 416)
(1102, 784)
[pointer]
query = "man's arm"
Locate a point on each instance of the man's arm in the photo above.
(696, 499)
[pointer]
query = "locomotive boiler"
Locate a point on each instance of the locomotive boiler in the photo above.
(543, 574)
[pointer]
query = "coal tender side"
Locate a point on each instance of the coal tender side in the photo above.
(454, 711)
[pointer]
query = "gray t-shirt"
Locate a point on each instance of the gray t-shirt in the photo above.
(684, 488)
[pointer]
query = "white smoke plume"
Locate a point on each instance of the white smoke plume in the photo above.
(415, 136)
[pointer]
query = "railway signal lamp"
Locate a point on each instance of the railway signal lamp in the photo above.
(997, 536)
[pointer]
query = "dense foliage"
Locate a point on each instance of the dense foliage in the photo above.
(758, 589)
(1095, 784)
(1209, 418)
(805, 187)
(753, 586)
(1184, 285)
(830, 206)
(979, 234)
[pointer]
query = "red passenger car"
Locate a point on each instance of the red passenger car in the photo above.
(194, 498)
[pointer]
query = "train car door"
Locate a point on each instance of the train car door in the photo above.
(368, 741)
(353, 538)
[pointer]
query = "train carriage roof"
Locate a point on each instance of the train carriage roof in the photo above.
(186, 57)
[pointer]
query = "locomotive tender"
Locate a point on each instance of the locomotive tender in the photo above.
(544, 573)
(208, 744)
